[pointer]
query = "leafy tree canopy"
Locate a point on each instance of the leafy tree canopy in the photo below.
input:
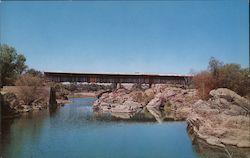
(34, 72)
(12, 65)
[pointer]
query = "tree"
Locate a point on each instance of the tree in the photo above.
(34, 72)
(11, 65)
(232, 76)
(214, 65)
(218, 75)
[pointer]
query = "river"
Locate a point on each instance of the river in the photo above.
(74, 130)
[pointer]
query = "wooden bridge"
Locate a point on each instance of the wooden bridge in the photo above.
(119, 78)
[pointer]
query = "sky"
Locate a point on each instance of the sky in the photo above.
(156, 37)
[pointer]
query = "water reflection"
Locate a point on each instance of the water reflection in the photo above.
(208, 151)
(52, 111)
(15, 132)
(76, 131)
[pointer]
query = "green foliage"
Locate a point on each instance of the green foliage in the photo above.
(218, 75)
(232, 76)
(11, 65)
(34, 72)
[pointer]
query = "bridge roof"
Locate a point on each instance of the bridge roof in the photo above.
(117, 74)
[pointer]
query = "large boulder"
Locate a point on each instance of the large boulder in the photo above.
(231, 96)
(127, 107)
(156, 102)
(222, 120)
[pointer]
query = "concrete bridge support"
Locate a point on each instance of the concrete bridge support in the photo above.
(118, 85)
(52, 98)
(1, 115)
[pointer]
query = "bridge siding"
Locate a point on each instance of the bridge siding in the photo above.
(117, 78)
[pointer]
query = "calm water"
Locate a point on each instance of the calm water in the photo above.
(76, 131)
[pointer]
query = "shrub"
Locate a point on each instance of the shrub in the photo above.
(218, 75)
(29, 88)
(34, 72)
(204, 83)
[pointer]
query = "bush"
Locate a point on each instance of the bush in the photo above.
(204, 83)
(29, 88)
(34, 72)
(218, 75)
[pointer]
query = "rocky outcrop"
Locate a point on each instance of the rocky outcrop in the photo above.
(8, 102)
(14, 106)
(162, 101)
(222, 120)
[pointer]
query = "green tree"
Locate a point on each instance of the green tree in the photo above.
(34, 72)
(234, 77)
(11, 65)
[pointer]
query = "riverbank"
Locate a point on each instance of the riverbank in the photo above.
(15, 101)
(82, 95)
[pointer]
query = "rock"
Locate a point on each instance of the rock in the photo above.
(172, 102)
(101, 92)
(214, 141)
(222, 120)
(156, 102)
(123, 115)
(11, 100)
(26, 108)
(9, 105)
(127, 107)
(149, 92)
(243, 144)
(156, 113)
(38, 107)
(231, 96)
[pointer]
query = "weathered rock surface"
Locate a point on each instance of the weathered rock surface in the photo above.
(13, 106)
(162, 101)
(8, 102)
(205, 150)
(222, 120)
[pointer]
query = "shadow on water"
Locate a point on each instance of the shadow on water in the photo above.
(5, 134)
(28, 126)
(52, 111)
(205, 150)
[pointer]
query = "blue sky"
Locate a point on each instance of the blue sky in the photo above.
(127, 36)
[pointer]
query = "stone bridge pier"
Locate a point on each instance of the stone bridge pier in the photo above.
(52, 98)
(1, 115)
